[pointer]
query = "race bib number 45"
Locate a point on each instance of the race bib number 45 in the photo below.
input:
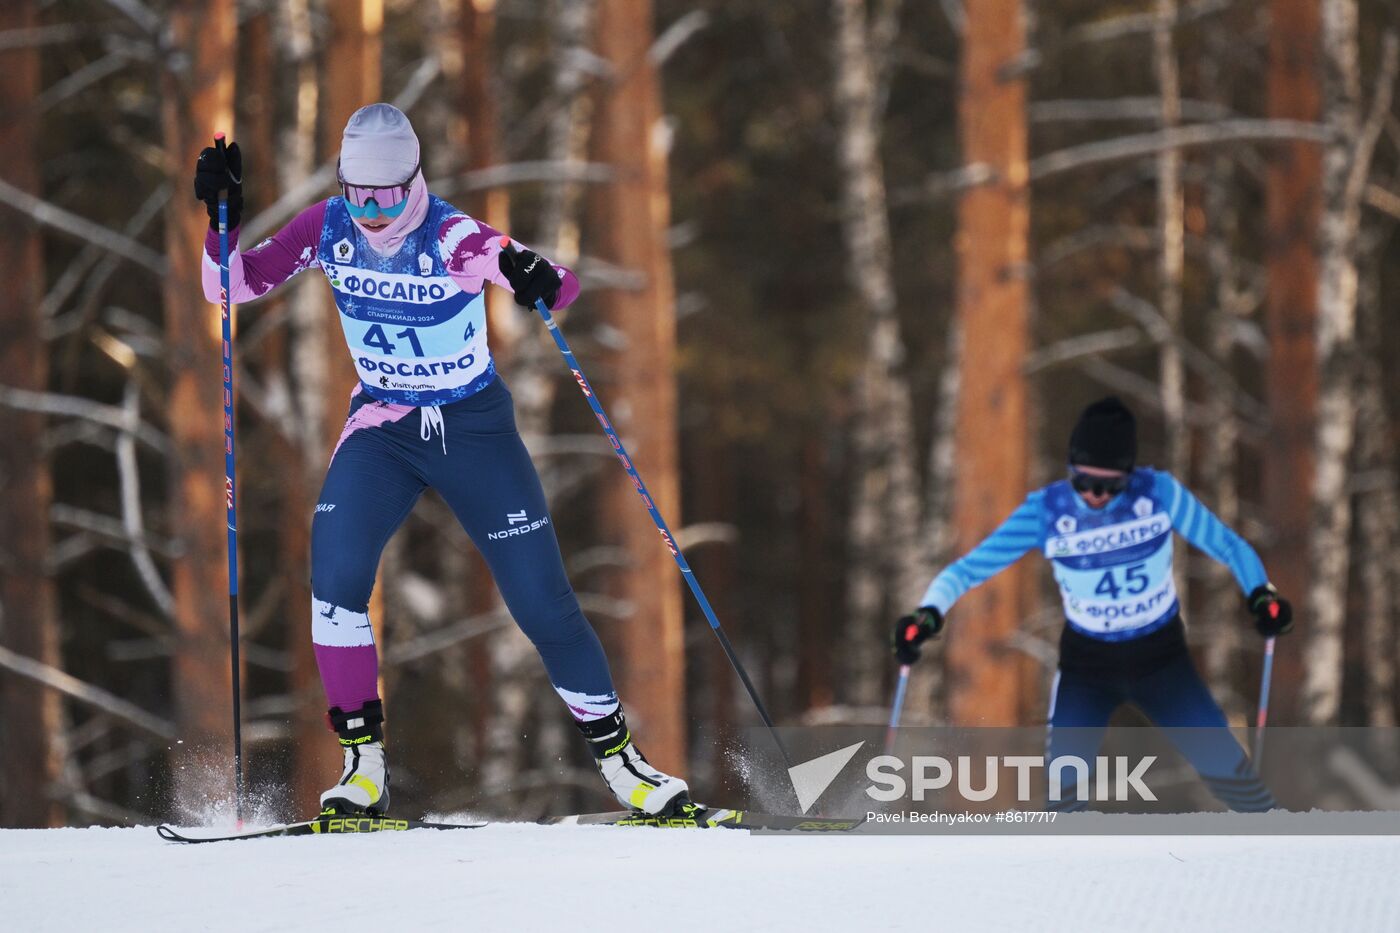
(1116, 578)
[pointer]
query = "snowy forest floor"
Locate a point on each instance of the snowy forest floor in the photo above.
(526, 877)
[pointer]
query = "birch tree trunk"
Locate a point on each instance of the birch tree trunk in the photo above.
(479, 132)
(630, 217)
(1294, 196)
(926, 701)
(1219, 453)
(1223, 622)
(993, 307)
(1336, 303)
(884, 569)
(197, 100)
(537, 360)
(1171, 263)
(31, 730)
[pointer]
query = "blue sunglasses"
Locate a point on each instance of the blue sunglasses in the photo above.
(387, 200)
(372, 210)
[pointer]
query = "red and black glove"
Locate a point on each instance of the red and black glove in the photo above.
(911, 631)
(1273, 615)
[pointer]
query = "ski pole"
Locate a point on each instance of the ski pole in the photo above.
(666, 535)
(1263, 717)
(896, 708)
(229, 502)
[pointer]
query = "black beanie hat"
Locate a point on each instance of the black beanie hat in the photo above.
(1106, 436)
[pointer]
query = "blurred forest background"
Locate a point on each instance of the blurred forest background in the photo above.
(851, 268)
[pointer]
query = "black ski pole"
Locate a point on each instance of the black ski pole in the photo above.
(229, 502)
(666, 535)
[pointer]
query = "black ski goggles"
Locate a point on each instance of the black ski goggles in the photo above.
(1098, 485)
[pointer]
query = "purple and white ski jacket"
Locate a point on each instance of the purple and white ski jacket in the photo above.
(415, 322)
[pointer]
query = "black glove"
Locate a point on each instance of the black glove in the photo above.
(1272, 614)
(911, 631)
(215, 172)
(530, 277)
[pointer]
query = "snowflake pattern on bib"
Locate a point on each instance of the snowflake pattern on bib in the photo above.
(416, 337)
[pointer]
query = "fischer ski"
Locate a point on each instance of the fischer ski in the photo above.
(695, 816)
(690, 816)
(320, 826)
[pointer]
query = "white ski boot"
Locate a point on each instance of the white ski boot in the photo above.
(633, 781)
(364, 781)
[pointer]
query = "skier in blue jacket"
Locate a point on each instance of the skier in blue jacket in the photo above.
(1107, 531)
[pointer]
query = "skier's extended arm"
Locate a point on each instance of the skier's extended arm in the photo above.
(256, 272)
(1002, 548)
(999, 550)
(275, 260)
(1200, 526)
(473, 254)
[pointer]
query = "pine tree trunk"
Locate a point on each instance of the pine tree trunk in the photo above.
(884, 567)
(197, 100)
(310, 323)
(1294, 195)
(31, 730)
(1330, 545)
(315, 755)
(993, 307)
(272, 41)
(479, 130)
(351, 80)
(630, 217)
